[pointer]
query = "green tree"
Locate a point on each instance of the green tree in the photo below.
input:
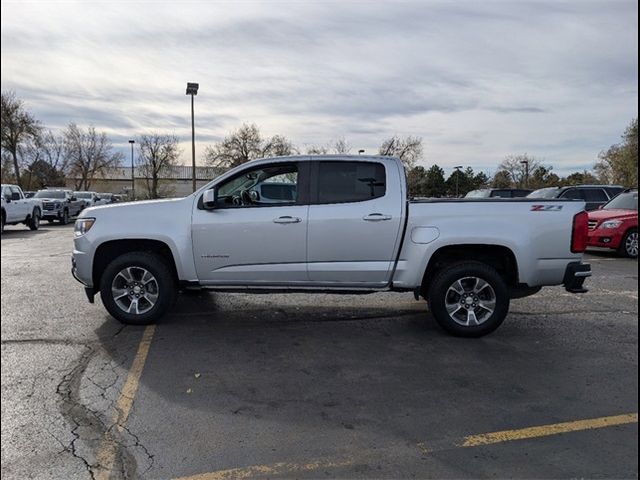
(619, 164)
(541, 177)
(460, 182)
(416, 181)
(435, 184)
(580, 178)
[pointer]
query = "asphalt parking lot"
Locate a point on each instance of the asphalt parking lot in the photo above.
(317, 386)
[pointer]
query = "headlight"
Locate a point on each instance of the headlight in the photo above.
(83, 225)
(611, 224)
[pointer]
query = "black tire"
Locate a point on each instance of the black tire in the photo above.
(628, 248)
(34, 220)
(3, 220)
(440, 293)
(65, 217)
(166, 291)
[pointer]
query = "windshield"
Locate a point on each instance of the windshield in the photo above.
(624, 201)
(544, 193)
(83, 194)
(49, 194)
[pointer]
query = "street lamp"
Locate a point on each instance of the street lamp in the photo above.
(526, 174)
(457, 178)
(192, 89)
(133, 187)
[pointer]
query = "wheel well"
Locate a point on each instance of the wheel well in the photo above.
(110, 250)
(499, 257)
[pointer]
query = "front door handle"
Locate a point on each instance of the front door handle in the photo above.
(376, 217)
(287, 219)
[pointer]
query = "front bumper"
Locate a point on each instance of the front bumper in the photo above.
(51, 214)
(575, 275)
(604, 238)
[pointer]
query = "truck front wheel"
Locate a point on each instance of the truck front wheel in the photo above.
(34, 220)
(469, 299)
(138, 288)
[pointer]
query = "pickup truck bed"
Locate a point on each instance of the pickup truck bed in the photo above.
(348, 228)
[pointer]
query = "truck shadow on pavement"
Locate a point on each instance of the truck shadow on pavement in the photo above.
(271, 376)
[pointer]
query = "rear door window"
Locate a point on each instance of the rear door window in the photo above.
(343, 182)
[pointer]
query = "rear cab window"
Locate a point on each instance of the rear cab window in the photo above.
(346, 182)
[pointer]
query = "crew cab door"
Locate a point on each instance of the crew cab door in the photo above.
(257, 232)
(18, 208)
(355, 222)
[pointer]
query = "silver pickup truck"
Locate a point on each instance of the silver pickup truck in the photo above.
(341, 224)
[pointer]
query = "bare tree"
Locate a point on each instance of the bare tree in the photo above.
(157, 155)
(408, 149)
(43, 160)
(235, 149)
(317, 150)
(340, 146)
(18, 126)
(278, 146)
(89, 154)
(246, 144)
(516, 166)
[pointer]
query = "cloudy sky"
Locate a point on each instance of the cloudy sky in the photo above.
(476, 80)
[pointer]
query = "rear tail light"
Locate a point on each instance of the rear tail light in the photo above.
(580, 232)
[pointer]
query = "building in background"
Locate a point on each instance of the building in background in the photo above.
(173, 182)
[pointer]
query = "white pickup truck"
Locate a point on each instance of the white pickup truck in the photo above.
(340, 224)
(16, 208)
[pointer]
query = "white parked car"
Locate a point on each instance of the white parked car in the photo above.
(16, 208)
(90, 199)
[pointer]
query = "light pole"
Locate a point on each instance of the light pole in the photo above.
(457, 179)
(133, 185)
(192, 89)
(526, 173)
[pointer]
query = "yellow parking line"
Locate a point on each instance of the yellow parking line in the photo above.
(547, 430)
(109, 448)
(281, 468)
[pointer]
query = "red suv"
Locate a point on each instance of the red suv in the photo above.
(615, 225)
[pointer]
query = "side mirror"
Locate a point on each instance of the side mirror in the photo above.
(97, 199)
(209, 199)
(73, 199)
(7, 198)
(600, 207)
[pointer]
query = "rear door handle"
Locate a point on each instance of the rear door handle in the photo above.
(287, 219)
(376, 217)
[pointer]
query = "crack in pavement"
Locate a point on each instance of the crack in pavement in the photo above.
(90, 420)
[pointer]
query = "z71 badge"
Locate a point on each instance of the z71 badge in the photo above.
(546, 208)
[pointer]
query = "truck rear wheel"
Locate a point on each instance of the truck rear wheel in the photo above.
(469, 299)
(138, 288)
